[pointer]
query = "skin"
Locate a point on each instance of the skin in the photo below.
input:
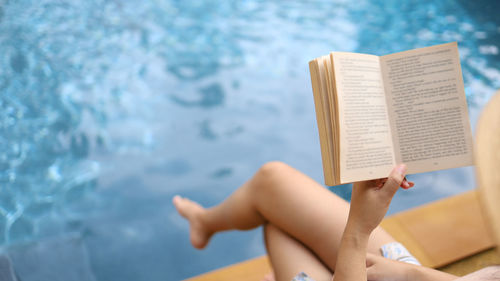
(307, 227)
(369, 204)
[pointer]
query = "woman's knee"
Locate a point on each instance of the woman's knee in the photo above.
(272, 171)
(270, 177)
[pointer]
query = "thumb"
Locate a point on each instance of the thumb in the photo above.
(395, 179)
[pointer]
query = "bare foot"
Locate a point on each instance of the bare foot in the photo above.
(193, 212)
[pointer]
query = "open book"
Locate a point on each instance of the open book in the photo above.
(374, 112)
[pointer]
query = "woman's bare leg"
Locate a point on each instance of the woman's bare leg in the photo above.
(286, 198)
(289, 257)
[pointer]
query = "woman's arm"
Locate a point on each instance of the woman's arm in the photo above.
(428, 274)
(369, 203)
(382, 269)
(351, 257)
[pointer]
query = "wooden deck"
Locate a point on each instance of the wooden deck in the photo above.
(442, 232)
(449, 234)
(251, 270)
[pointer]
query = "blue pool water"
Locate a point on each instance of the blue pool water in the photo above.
(109, 108)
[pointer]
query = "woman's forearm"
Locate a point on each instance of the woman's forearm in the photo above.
(416, 272)
(369, 203)
(351, 257)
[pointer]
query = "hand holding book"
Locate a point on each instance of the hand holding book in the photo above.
(374, 112)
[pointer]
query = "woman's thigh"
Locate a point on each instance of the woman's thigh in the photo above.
(289, 257)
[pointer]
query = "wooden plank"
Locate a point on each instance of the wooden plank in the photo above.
(472, 263)
(396, 228)
(443, 231)
(251, 270)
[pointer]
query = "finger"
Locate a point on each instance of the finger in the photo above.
(395, 179)
(405, 184)
(369, 260)
(408, 185)
(380, 183)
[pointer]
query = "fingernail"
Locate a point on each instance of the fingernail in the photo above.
(401, 169)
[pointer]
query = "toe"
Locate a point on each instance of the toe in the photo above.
(179, 205)
(176, 199)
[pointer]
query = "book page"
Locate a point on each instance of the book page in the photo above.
(332, 98)
(427, 108)
(366, 150)
(323, 116)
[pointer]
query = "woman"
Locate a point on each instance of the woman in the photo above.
(310, 229)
